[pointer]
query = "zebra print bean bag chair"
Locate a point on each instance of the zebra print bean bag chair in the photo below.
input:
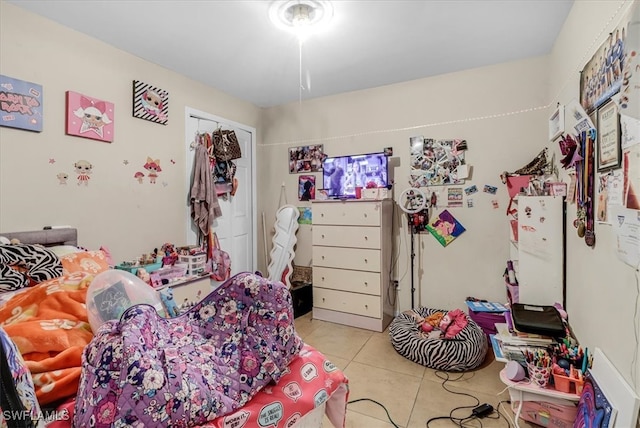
(464, 351)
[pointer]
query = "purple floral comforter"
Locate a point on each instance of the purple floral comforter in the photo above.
(145, 370)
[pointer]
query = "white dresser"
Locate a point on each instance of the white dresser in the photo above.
(351, 262)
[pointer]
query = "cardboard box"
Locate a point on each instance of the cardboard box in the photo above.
(549, 415)
(377, 193)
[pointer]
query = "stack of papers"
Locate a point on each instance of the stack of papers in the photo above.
(508, 346)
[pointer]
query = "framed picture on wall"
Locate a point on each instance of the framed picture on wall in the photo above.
(20, 104)
(609, 152)
(150, 103)
(307, 187)
(556, 123)
(89, 117)
(306, 159)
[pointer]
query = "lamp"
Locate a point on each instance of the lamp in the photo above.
(301, 17)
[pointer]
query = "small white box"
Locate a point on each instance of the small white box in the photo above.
(377, 193)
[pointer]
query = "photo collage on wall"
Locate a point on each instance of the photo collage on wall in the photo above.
(436, 162)
(306, 159)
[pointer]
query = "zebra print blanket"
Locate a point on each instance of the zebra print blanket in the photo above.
(35, 263)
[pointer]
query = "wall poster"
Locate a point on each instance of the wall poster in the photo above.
(602, 76)
(150, 103)
(89, 117)
(20, 104)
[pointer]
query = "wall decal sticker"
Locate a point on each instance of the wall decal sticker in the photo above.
(84, 169)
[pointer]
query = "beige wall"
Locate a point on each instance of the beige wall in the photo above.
(113, 210)
(447, 106)
(602, 292)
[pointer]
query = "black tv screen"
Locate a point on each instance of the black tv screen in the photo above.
(342, 174)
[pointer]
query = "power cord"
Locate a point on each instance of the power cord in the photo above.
(379, 404)
(477, 411)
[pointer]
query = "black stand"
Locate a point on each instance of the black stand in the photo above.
(413, 256)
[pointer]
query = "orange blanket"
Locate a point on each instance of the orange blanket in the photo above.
(49, 325)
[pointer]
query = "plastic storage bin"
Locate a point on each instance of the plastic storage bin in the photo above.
(195, 264)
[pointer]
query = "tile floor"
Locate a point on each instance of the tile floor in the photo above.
(411, 393)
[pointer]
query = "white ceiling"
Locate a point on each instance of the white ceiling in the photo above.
(231, 44)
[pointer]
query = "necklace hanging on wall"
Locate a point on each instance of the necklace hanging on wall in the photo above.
(584, 222)
(589, 234)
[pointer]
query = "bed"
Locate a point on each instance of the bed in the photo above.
(48, 322)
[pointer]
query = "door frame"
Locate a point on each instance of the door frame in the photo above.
(192, 113)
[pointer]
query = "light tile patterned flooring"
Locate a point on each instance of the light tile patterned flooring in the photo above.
(411, 393)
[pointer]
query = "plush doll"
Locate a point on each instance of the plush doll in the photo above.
(453, 323)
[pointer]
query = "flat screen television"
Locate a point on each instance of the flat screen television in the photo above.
(342, 174)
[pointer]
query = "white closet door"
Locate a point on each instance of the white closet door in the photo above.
(236, 229)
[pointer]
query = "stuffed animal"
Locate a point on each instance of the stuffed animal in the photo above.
(143, 275)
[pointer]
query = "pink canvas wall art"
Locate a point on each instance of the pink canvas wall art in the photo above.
(89, 117)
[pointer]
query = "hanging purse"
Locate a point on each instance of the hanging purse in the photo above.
(220, 261)
(225, 145)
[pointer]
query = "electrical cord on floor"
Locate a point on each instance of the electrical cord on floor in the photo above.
(463, 422)
(379, 404)
(458, 421)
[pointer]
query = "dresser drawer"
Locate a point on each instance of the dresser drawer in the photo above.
(191, 291)
(347, 213)
(347, 280)
(347, 236)
(353, 303)
(347, 258)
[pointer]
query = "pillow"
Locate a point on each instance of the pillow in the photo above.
(63, 250)
(40, 263)
(92, 262)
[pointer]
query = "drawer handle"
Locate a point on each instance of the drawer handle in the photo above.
(366, 238)
(323, 278)
(323, 299)
(366, 306)
(366, 261)
(321, 214)
(322, 236)
(365, 215)
(322, 257)
(366, 284)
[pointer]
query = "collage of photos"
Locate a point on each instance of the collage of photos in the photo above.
(435, 162)
(306, 159)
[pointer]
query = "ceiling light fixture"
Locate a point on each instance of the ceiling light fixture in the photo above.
(301, 17)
